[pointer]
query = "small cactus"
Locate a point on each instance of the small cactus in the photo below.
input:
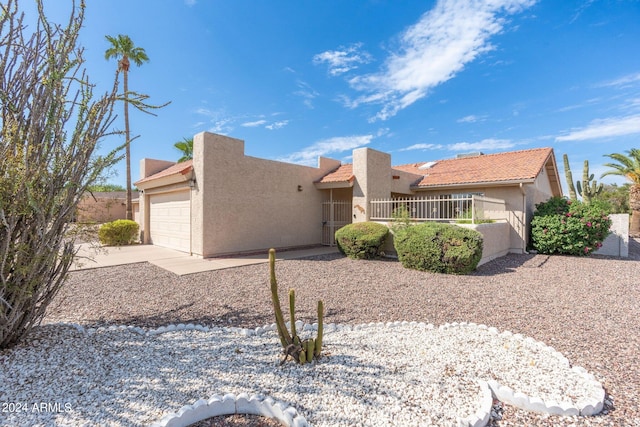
(301, 351)
(589, 188)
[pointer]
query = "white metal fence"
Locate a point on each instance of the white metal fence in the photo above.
(439, 208)
(335, 214)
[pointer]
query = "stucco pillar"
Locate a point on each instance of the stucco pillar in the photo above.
(146, 217)
(372, 172)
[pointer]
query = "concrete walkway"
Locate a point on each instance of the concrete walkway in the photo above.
(179, 263)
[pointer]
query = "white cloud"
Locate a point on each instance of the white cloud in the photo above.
(309, 155)
(622, 81)
(605, 128)
(306, 92)
(471, 119)
(434, 50)
(485, 144)
(277, 125)
(422, 147)
(383, 132)
(222, 124)
(254, 124)
(344, 59)
(190, 2)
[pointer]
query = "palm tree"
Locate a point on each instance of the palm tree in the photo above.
(186, 148)
(123, 49)
(629, 167)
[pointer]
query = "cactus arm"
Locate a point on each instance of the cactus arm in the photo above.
(569, 178)
(590, 188)
(318, 343)
(285, 338)
(309, 348)
(292, 314)
(586, 197)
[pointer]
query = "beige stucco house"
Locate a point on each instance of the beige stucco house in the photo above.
(224, 202)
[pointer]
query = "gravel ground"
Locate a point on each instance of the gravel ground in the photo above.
(587, 308)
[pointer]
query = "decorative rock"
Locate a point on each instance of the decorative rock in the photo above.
(504, 393)
(520, 400)
(244, 405)
(590, 398)
(569, 410)
(288, 415)
(536, 405)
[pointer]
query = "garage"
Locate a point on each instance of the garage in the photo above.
(170, 220)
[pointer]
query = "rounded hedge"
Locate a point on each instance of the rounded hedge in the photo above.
(439, 248)
(119, 232)
(570, 227)
(362, 240)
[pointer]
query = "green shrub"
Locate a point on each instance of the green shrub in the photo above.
(439, 248)
(119, 232)
(362, 240)
(561, 226)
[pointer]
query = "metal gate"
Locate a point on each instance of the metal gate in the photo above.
(335, 214)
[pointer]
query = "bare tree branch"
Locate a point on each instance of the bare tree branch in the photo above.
(51, 127)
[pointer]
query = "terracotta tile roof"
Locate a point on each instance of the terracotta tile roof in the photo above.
(344, 173)
(515, 166)
(179, 168)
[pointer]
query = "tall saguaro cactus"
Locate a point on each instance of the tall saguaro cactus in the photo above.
(301, 351)
(589, 188)
(569, 178)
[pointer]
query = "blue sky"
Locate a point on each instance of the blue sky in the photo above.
(422, 80)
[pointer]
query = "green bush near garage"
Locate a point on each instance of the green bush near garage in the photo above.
(119, 232)
(439, 248)
(362, 240)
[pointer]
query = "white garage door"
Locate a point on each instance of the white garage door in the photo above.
(170, 224)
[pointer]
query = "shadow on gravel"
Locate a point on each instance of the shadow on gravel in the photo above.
(183, 314)
(511, 262)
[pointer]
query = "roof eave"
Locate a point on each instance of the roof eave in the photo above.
(176, 178)
(336, 184)
(474, 184)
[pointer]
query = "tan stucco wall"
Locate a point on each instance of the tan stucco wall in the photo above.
(496, 240)
(104, 208)
(338, 194)
(401, 182)
(372, 172)
(242, 203)
(149, 167)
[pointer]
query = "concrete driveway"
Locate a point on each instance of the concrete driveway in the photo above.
(179, 263)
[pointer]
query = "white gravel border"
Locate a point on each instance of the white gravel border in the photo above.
(230, 404)
(523, 364)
